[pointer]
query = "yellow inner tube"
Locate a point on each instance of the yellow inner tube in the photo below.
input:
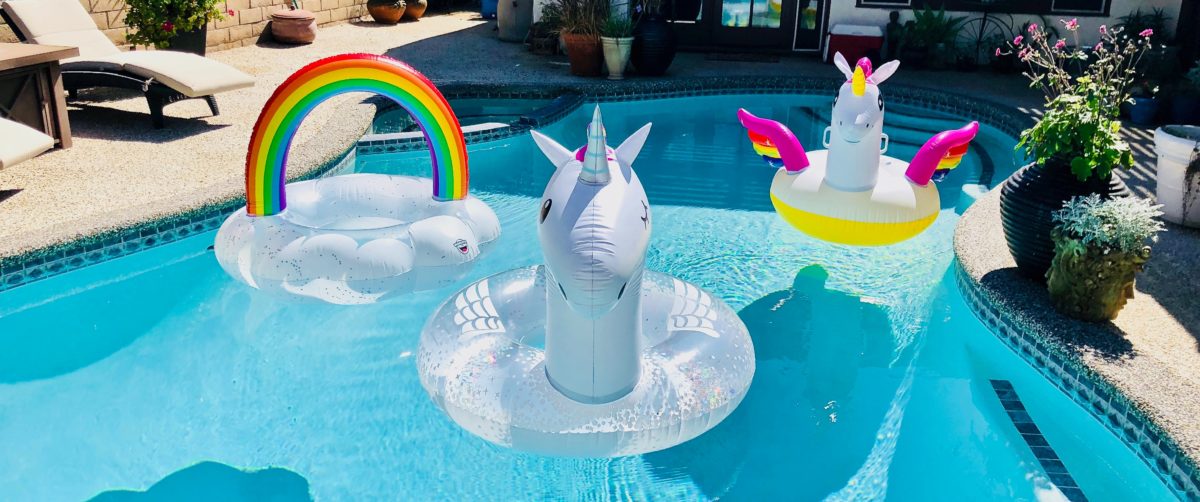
(857, 233)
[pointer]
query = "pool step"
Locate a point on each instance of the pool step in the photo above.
(1054, 467)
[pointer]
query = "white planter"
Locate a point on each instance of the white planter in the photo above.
(616, 55)
(1177, 146)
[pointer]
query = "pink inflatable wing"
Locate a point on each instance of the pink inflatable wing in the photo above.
(794, 157)
(921, 169)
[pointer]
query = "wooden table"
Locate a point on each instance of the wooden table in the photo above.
(31, 89)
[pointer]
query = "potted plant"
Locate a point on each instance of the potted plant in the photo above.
(293, 25)
(386, 11)
(1076, 145)
(1178, 173)
(581, 21)
(1099, 247)
(180, 25)
(617, 38)
(1185, 101)
(927, 36)
(1143, 106)
(654, 41)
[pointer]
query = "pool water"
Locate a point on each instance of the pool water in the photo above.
(873, 377)
(470, 111)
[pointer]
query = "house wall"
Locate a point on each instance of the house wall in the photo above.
(241, 29)
(844, 12)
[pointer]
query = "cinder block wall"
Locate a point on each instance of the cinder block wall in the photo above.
(241, 29)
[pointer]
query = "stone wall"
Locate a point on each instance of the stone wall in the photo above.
(241, 29)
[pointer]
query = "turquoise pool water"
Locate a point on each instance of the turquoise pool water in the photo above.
(873, 376)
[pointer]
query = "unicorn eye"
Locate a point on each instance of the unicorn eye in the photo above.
(546, 209)
(881, 102)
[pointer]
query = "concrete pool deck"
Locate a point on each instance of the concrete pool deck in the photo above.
(122, 172)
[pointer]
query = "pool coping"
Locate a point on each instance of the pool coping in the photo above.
(1089, 390)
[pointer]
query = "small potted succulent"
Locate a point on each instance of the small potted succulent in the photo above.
(579, 28)
(1099, 247)
(617, 39)
(386, 11)
(180, 25)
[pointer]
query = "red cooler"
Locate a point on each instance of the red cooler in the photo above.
(853, 41)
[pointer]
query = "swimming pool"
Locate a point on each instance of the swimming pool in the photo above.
(873, 377)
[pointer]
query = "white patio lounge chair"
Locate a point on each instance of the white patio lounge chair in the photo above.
(20, 143)
(164, 76)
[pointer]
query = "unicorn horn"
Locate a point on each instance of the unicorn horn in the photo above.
(595, 159)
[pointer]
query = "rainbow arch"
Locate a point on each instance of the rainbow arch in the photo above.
(266, 160)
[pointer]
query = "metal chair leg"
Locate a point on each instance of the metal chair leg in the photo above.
(212, 104)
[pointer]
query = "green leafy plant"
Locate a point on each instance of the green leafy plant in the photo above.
(618, 24)
(583, 17)
(1121, 224)
(931, 27)
(156, 22)
(1080, 127)
(1137, 22)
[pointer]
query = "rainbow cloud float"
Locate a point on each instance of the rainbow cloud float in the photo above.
(361, 237)
(851, 193)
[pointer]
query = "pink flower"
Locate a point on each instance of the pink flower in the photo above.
(231, 12)
(1147, 33)
(1098, 46)
(1018, 40)
(1060, 44)
(168, 26)
(997, 52)
(1104, 29)
(1033, 27)
(1024, 54)
(1071, 25)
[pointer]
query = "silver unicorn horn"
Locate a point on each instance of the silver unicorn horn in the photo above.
(595, 161)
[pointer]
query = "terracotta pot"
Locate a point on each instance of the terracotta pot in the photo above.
(293, 26)
(414, 9)
(386, 13)
(1095, 285)
(585, 54)
(1027, 200)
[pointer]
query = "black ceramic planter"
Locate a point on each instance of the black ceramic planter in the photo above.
(653, 45)
(1027, 200)
(194, 41)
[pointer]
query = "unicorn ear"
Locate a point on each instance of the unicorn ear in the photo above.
(883, 72)
(558, 155)
(840, 61)
(632, 146)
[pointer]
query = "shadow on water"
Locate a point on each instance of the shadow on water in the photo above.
(820, 391)
(207, 481)
(81, 325)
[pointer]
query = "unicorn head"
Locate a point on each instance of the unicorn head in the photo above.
(594, 225)
(858, 108)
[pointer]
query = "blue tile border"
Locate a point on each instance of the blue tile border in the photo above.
(1063, 369)
(1055, 469)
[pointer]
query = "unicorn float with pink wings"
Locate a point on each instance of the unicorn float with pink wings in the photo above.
(851, 193)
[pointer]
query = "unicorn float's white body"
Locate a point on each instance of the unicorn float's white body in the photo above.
(633, 361)
(851, 193)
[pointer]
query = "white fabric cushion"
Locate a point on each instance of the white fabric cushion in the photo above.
(20, 143)
(60, 22)
(192, 75)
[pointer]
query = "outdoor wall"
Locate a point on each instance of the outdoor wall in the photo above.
(241, 29)
(844, 12)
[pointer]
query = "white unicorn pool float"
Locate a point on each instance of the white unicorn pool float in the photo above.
(589, 355)
(852, 193)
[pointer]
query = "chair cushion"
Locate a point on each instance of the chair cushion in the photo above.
(59, 22)
(21, 143)
(192, 75)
